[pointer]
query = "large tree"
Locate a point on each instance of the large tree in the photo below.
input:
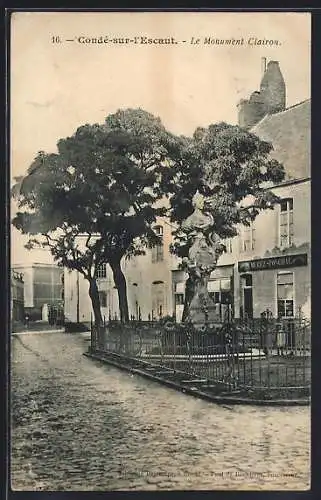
(233, 169)
(94, 201)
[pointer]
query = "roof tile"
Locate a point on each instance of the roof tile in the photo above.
(290, 133)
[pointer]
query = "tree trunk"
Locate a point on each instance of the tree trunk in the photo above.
(120, 283)
(97, 335)
(189, 294)
(94, 296)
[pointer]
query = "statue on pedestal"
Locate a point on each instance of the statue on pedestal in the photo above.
(205, 249)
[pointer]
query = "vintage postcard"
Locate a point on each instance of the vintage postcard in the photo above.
(160, 251)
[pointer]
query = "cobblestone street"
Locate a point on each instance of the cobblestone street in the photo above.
(81, 425)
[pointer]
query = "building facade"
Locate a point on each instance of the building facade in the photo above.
(266, 266)
(43, 287)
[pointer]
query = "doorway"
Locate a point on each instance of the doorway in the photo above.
(158, 300)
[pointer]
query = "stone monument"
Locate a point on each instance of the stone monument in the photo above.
(205, 249)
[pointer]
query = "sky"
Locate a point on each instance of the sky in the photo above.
(56, 87)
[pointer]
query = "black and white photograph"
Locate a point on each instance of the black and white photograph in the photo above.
(160, 267)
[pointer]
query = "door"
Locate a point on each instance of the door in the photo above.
(248, 302)
(247, 296)
(158, 300)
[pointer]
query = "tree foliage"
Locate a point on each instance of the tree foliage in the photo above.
(101, 187)
(229, 166)
(96, 199)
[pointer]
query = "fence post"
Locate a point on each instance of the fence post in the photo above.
(188, 345)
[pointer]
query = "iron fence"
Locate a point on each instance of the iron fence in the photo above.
(262, 354)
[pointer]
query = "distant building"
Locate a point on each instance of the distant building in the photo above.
(17, 297)
(43, 286)
(266, 266)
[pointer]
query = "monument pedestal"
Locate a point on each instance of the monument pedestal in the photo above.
(202, 310)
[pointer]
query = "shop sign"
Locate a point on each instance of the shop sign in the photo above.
(281, 262)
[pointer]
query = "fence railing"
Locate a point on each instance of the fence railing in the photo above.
(259, 354)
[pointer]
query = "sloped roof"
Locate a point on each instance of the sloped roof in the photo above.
(289, 132)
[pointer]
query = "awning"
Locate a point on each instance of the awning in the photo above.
(213, 286)
(217, 285)
(180, 287)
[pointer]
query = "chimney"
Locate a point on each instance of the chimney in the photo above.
(263, 65)
(272, 88)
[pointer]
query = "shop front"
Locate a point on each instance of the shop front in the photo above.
(279, 284)
(220, 288)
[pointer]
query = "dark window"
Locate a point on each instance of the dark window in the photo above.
(215, 296)
(286, 223)
(158, 230)
(248, 238)
(158, 253)
(179, 299)
(226, 297)
(286, 205)
(158, 250)
(285, 295)
(248, 280)
(102, 271)
(103, 298)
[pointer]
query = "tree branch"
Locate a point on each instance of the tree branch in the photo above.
(88, 240)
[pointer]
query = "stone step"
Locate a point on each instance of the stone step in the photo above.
(163, 372)
(194, 381)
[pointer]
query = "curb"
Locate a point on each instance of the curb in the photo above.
(32, 332)
(198, 393)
